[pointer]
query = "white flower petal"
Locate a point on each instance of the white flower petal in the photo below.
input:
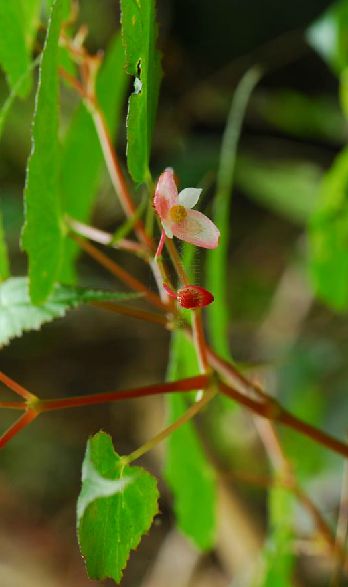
(189, 197)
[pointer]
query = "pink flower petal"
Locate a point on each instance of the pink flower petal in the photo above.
(166, 194)
(197, 229)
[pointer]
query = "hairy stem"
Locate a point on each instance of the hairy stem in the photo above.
(177, 264)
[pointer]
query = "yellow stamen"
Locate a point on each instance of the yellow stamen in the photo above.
(178, 213)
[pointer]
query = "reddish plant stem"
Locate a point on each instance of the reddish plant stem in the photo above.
(285, 477)
(18, 425)
(119, 272)
(132, 312)
(13, 405)
(72, 81)
(14, 386)
(105, 238)
(177, 264)
(188, 384)
(116, 174)
(199, 340)
(272, 410)
(234, 376)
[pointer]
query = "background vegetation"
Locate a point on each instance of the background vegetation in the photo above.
(287, 280)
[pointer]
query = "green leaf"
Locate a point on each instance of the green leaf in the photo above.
(299, 115)
(278, 560)
(18, 313)
(4, 261)
(82, 156)
(14, 55)
(31, 19)
(187, 470)
(115, 509)
(43, 233)
(287, 187)
(217, 260)
(139, 33)
(328, 237)
(8, 103)
(328, 36)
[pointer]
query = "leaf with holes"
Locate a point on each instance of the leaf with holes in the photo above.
(139, 33)
(115, 509)
(18, 313)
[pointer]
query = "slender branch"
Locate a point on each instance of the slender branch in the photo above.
(14, 386)
(116, 174)
(188, 415)
(18, 425)
(188, 384)
(105, 238)
(234, 377)
(342, 530)
(132, 312)
(177, 264)
(199, 340)
(86, 89)
(272, 410)
(70, 79)
(13, 405)
(119, 272)
(285, 477)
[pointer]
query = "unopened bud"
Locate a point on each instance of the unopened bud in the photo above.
(194, 296)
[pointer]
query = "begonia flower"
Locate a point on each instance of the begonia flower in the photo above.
(177, 216)
(191, 296)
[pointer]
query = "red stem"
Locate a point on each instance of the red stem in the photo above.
(14, 386)
(189, 384)
(13, 405)
(119, 272)
(272, 410)
(18, 425)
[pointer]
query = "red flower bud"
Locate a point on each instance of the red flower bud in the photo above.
(194, 296)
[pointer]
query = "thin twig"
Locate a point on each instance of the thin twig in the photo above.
(132, 312)
(13, 405)
(105, 238)
(192, 411)
(116, 174)
(14, 386)
(18, 425)
(119, 272)
(183, 385)
(272, 410)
